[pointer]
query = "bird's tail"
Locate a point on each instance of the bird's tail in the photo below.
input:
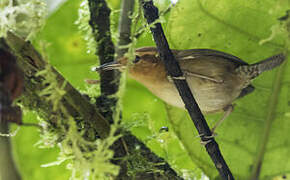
(253, 70)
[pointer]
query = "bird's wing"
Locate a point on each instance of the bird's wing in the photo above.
(198, 53)
(194, 53)
(206, 77)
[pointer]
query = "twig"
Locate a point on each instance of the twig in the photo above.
(32, 125)
(173, 69)
(125, 22)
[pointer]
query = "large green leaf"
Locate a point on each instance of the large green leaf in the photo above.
(255, 134)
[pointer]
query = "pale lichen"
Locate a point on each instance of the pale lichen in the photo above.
(83, 25)
(86, 159)
(23, 17)
(84, 162)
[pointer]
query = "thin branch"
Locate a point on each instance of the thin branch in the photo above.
(173, 69)
(125, 22)
(77, 105)
(32, 125)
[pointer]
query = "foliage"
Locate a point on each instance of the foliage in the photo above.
(258, 126)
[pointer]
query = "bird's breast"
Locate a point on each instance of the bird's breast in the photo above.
(211, 97)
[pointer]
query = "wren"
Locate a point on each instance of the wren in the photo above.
(215, 78)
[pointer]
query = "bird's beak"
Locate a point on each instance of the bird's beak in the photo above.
(109, 66)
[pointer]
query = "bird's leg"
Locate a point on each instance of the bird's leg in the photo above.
(205, 142)
(228, 109)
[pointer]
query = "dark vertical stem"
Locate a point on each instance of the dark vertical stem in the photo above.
(173, 69)
(109, 80)
(125, 27)
(100, 23)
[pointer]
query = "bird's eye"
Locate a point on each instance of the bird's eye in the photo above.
(137, 59)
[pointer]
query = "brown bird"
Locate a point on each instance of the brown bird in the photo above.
(215, 78)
